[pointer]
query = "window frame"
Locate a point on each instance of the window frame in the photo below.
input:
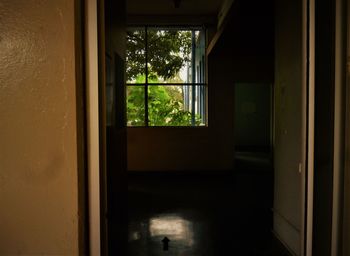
(202, 73)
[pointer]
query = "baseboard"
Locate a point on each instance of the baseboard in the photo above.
(287, 234)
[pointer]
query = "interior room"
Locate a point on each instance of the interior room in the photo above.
(230, 182)
(174, 127)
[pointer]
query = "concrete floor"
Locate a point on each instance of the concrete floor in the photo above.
(212, 213)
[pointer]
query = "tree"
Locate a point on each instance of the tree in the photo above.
(167, 52)
(165, 106)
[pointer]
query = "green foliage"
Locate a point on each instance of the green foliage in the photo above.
(136, 105)
(165, 106)
(164, 110)
(168, 51)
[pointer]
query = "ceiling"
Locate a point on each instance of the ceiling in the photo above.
(167, 7)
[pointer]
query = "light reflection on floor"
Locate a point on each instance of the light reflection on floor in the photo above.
(148, 235)
(172, 226)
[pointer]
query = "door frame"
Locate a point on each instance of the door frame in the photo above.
(93, 70)
(95, 157)
(309, 124)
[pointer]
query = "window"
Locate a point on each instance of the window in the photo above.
(165, 69)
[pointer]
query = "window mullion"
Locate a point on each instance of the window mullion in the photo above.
(146, 71)
(193, 77)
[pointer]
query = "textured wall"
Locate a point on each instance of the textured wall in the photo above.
(38, 162)
(346, 230)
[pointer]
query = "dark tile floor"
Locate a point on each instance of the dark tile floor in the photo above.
(211, 213)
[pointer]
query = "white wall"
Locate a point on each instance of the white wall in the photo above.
(38, 152)
(288, 123)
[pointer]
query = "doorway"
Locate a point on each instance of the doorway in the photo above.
(115, 138)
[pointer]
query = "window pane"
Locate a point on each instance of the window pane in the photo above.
(199, 59)
(169, 55)
(135, 105)
(175, 59)
(174, 105)
(194, 102)
(135, 56)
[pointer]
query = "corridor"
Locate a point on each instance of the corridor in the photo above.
(210, 213)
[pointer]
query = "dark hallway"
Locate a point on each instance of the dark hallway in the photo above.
(231, 185)
(210, 213)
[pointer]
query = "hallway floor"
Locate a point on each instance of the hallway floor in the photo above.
(201, 214)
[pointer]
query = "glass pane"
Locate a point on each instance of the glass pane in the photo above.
(135, 97)
(194, 102)
(170, 55)
(135, 56)
(199, 57)
(174, 105)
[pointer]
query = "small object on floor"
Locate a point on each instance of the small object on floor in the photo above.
(165, 242)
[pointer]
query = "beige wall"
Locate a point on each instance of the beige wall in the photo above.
(38, 153)
(346, 227)
(346, 224)
(288, 123)
(178, 149)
